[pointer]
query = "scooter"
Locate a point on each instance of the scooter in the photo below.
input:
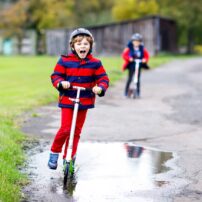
(68, 162)
(132, 91)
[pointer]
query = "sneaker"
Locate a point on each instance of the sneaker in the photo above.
(125, 94)
(52, 163)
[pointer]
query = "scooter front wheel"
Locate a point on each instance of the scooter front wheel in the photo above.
(66, 170)
(134, 94)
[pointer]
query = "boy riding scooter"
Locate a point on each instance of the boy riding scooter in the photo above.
(78, 68)
(134, 50)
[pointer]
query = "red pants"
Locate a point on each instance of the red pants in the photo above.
(64, 131)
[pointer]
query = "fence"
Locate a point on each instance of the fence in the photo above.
(159, 34)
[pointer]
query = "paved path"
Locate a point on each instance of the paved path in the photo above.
(167, 117)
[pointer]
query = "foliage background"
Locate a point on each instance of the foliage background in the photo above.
(17, 15)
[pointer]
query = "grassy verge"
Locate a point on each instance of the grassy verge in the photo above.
(11, 157)
(25, 83)
(165, 58)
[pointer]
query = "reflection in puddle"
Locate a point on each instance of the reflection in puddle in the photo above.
(153, 158)
(105, 172)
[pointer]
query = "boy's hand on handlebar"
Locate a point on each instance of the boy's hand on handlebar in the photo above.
(65, 84)
(97, 90)
(144, 60)
(131, 59)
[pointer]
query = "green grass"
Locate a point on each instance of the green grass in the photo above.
(163, 58)
(11, 157)
(24, 84)
(113, 68)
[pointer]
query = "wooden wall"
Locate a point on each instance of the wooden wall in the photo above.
(159, 34)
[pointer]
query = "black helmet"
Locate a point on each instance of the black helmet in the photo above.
(136, 37)
(80, 31)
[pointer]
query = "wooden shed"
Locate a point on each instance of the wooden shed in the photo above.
(159, 34)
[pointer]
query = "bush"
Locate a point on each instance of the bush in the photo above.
(198, 49)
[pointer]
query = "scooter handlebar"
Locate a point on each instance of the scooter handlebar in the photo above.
(82, 88)
(75, 87)
(78, 87)
(138, 60)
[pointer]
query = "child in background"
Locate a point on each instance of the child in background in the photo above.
(134, 50)
(78, 68)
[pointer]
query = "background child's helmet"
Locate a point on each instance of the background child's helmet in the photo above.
(136, 37)
(80, 31)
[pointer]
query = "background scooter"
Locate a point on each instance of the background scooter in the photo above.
(132, 91)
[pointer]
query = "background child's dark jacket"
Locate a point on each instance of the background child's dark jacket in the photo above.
(129, 52)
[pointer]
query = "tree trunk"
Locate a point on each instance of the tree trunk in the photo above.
(40, 45)
(190, 41)
(19, 45)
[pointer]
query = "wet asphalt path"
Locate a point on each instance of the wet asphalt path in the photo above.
(168, 117)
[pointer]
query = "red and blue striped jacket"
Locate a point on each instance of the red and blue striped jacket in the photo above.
(86, 73)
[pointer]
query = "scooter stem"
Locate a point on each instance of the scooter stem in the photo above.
(137, 64)
(75, 112)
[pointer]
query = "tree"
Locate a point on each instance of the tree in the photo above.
(188, 16)
(51, 14)
(92, 13)
(13, 19)
(46, 14)
(40, 15)
(132, 9)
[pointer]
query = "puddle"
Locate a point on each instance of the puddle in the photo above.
(105, 172)
(154, 159)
